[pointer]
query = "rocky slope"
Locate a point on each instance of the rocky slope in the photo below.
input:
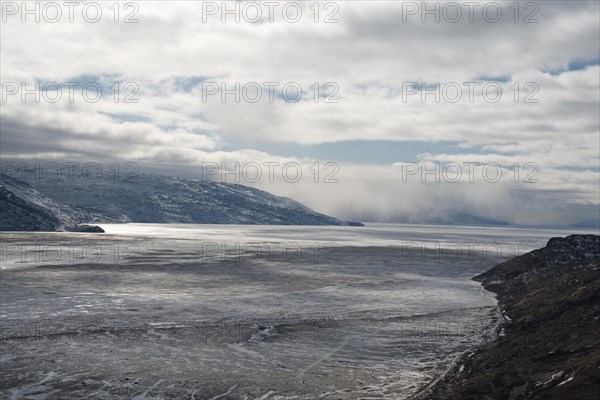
(151, 199)
(549, 346)
(18, 214)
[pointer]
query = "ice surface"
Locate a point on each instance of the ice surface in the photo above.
(162, 315)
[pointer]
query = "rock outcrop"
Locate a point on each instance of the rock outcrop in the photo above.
(549, 346)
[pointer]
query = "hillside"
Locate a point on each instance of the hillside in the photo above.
(549, 345)
(156, 199)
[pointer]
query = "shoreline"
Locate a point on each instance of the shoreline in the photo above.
(548, 344)
(456, 365)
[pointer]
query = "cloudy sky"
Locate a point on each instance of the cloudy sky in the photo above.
(375, 93)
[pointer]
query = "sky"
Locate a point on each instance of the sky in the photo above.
(386, 108)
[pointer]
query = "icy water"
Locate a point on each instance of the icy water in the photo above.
(153, 311)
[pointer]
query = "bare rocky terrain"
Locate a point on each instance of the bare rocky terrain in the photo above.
(549, 345)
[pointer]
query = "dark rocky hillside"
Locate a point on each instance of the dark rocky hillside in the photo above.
(549, 346)
(20, 215)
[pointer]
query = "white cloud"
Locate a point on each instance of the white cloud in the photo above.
(369, 54)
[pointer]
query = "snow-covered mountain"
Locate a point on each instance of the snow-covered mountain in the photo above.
(146, 198)
(18, 214)
(24, 209)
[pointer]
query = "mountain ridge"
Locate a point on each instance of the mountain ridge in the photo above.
(149, 198)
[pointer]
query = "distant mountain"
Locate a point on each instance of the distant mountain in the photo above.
(445, 218)
(150, 199)
(591, 223)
